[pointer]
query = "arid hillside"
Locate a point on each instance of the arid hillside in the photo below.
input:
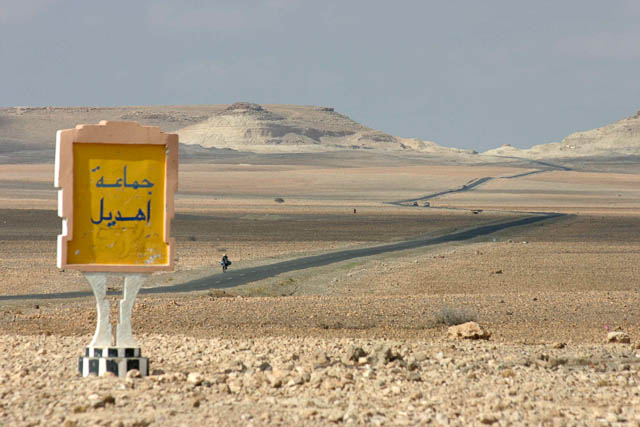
(616, 140)
(27, 134)
(295, 129)
(211, 132)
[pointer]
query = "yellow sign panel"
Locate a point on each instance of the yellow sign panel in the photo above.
(119, 209)
(116, 181)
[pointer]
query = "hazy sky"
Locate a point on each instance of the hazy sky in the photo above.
(468, 74)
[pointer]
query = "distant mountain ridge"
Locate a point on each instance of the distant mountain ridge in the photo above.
(28, 133)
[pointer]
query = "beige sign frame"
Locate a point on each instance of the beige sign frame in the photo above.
(121, 133)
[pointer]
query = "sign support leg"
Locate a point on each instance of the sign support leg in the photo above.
(132, 284)
(102, 336)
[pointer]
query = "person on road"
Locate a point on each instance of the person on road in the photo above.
(225, 262)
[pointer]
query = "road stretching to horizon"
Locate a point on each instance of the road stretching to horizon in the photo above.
(479, 181)
(234, 278)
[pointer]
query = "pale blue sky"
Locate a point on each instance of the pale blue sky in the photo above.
(466, 74)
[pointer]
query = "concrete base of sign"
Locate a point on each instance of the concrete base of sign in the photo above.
(117, 360)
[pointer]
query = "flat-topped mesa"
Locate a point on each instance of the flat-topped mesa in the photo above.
(257, 128)
(249, 110)
(244, 106)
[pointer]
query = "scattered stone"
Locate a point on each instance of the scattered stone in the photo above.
(382, 355)
(236, 366)
(134, 373)
(276, 378)
(331, 383)
(469, 330)
(413, 365)
(265, 366)
(488, 419)
(296, 380)
(321, 360)
(421, 356)
(195, 378)
(559, 345)
(98, 401)
(355, 353)
(309, 412)
(557, 361)
(507, 373)
(414, 376)
(235, 385)
(417, 395)
(335, 415)
(618, 337)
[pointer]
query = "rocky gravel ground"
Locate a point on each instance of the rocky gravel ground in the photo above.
(312, 381)
(358, 343)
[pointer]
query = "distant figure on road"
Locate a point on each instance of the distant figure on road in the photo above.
(354, 211)
(225, 262)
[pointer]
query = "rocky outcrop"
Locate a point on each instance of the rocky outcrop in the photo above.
(618, 337)
(618, 139)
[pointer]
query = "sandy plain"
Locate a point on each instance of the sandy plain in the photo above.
(549, 293)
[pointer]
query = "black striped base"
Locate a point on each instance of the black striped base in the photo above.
(118, 360)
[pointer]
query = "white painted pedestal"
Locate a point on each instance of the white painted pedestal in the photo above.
(100, 355)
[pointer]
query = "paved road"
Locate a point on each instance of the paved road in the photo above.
(239, 277)
(479, 181)
(466, 187)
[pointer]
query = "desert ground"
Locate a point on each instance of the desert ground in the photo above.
(357, 342)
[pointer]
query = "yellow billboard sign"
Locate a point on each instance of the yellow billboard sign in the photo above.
(117, 182)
